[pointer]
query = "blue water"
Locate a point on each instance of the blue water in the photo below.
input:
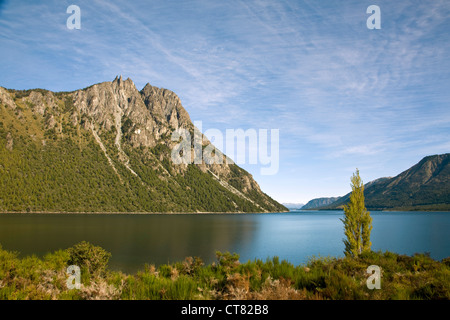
(296, 236)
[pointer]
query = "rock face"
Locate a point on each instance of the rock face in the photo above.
(128, 134)
(9, 142)
(425, 186)
(165, 106)
(5, 99)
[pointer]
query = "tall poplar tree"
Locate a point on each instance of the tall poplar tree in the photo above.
(357, 221)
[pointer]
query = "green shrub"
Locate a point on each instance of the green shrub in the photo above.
(227, 260)
(94, 259)
(165, 271)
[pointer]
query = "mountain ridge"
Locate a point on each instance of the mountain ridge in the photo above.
(424, 186)
(319, 202)
(54, 145)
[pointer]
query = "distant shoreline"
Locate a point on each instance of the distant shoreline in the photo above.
(134, 213)
(381, 210)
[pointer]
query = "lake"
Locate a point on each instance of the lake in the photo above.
(136, 239)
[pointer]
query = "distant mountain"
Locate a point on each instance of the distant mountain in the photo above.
(293, 206)
(319, 202)
(425, 186)
(107, 148)
(340, 201)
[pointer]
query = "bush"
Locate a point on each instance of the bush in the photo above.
(227, 260)
(190, 265)
(94, 259)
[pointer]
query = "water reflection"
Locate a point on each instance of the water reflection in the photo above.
(135, 240)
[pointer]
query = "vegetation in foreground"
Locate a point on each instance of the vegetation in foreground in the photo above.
(402, 277)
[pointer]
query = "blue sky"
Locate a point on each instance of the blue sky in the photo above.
(342, 96)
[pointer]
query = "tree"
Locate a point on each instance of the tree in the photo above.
(357, 221)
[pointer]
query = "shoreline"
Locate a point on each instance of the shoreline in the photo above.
(378, 210)
(135, 213)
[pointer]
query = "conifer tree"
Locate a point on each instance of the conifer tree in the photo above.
(357, 221)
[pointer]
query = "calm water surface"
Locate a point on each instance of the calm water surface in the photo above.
(296, 236)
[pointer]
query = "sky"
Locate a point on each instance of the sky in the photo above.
(342, 96)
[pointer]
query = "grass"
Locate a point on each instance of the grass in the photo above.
(402, 277)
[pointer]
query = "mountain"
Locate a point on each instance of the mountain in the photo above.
(425, 186)
(319, 202)
(293, 206)
(340, 201)
(107, 148)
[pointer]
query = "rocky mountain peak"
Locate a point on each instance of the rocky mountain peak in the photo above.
(125, 134)
(127, 84)
(165, 106)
